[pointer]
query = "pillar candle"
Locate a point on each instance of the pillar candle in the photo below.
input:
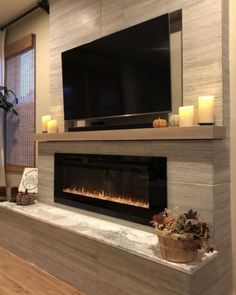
(206, 110)
(45, 120)
(186, 116)
(52, 126)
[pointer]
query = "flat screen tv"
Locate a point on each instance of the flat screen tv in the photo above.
(123, 74)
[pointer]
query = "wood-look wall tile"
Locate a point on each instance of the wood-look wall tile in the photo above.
(138, 276)
(202, 62)
(67, 255)
(189, 195)
(14, 236)
(222, 217)
(88, 20)
(215, 278)
(112, 16)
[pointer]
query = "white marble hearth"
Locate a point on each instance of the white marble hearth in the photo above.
(134, 241)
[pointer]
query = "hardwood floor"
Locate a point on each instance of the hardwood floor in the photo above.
(19, 277)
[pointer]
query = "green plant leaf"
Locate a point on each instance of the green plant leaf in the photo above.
(7, 106)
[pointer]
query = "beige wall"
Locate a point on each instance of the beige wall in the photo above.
(38, 24)
(233, 130)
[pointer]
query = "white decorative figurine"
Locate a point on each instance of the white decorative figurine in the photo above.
(174, 121)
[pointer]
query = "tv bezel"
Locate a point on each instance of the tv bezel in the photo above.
(100, 118)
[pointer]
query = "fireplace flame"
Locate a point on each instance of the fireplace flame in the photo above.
(104, 196)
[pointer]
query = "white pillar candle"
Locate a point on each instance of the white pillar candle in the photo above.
(52, 126)
(45, 120)
(186, 116)
(206, 110)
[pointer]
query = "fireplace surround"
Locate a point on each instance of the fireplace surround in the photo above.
(129, 187)
(198, 170)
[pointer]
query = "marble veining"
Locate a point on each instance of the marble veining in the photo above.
(135, 241)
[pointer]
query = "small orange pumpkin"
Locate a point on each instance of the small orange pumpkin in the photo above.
(159, 123)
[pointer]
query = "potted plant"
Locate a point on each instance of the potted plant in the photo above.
(5, 104)
(181, 235)
(8, 107)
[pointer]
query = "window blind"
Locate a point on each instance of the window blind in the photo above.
(19, 76)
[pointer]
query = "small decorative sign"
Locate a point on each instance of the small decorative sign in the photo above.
(29, 181)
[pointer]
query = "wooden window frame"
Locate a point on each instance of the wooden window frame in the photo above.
(25, 43)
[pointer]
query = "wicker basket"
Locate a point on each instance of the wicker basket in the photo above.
(25, 199)
(174, 249)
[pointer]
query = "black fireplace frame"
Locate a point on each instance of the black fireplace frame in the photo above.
(156, 165)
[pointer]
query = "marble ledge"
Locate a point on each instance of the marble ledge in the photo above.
(137, 242)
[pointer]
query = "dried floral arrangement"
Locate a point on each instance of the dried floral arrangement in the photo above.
(186, 227)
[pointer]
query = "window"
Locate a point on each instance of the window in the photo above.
(19, 76)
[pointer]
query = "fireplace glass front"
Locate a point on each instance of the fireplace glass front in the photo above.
(128, 187)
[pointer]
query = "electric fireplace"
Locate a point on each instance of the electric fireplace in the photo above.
(128, 187)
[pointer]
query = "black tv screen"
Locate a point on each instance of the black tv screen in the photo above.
(125, 73)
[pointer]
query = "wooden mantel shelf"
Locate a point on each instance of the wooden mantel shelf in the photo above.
(177, 133)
